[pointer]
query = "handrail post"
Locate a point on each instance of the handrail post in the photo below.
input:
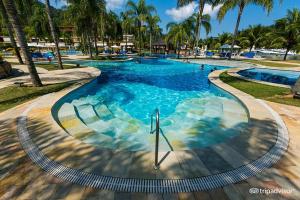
(156, 165)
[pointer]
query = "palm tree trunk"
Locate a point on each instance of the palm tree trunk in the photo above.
(53, 33)
(199, 22)
(90, 46)
(150, 44)
(15, 21)
(96, 40)
(241, 8)
(140, 41)
(178, 51)
(126, 42)
(10, 32)
(286, 53)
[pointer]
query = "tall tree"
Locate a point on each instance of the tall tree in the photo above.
(153, 28)
(252, 36)
(199, 16)
(127, 26)
(53, 33)
(241, 4)
(18, 27)
(139, 12)
(179, 34)
(287, 31)
(10, 32)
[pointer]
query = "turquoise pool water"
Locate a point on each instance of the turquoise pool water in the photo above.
(116, 108)
(285, 77)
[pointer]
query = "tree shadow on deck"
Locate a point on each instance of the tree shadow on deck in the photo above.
(58, 146)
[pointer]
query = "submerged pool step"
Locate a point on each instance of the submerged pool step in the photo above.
(89, 117)
(71, 123)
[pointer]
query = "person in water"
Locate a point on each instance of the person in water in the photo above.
(202, 67)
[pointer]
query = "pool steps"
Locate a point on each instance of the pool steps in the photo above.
(112, 127)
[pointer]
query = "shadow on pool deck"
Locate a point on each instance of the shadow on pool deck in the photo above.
(222, 157)
(27, 181)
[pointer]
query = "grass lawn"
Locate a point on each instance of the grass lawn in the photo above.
(272, 64)
(14, 95)
(261, 91)
(54, 66)
(293, 61)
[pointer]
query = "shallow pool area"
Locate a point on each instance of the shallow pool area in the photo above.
(284, 77)
(114, 111)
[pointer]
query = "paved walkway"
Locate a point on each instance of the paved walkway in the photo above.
(51, 77)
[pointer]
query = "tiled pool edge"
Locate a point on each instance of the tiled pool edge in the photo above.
(154, 185)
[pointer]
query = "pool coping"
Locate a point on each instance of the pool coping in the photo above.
(161, 185)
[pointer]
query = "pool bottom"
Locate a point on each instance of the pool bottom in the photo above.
(195, 123)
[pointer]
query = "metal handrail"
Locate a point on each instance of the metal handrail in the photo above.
(156, 131)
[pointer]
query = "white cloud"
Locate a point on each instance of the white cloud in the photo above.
(115, 4)
(212, 12)
(181, 13)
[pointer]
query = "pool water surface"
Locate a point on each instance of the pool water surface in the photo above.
(284, 77)
(117, 106)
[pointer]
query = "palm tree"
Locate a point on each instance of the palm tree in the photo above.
(180, 33)
(113, 27)
(153, 28)
(223, 38)
(53, 33)
(176, 35)
(38, 25)
(98, 7)
(241, 4)
(81, 16)
(200, 16)
(287, 31)
(18, 27)
(10, 32)
(139, 12)
(252, 36)
(127, 26)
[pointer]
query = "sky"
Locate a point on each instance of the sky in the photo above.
(168, 12)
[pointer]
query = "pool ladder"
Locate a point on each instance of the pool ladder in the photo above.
(155, 130)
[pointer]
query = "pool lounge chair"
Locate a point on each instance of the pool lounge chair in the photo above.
(296, 89)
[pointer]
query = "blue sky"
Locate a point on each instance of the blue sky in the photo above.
(166, 9)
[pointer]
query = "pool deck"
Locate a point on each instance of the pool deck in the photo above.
(22, 179)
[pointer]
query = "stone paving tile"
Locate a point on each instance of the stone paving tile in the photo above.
(94, 194)
(189, 196)
(142, 166)
(217, 194)
(169, 166)
(119, 164)
(202, 195)
(139, 196)
(191, 164)
(122, 196)
(213, 161)
(232, 192)
(230, 155)
(171, 196)
(153, 196)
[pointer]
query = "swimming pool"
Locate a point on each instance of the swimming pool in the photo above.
(114, 111)
(271, 75)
